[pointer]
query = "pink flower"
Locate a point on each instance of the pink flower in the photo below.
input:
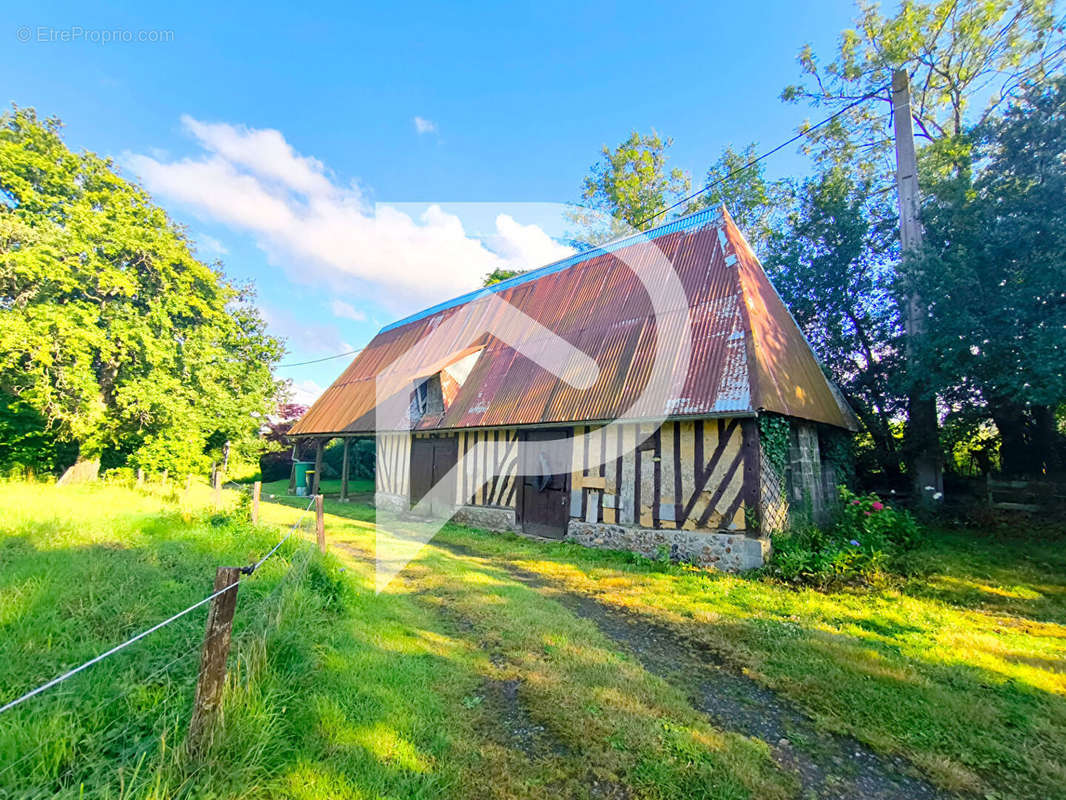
(867, 513)
(854, 502)
(877, 505)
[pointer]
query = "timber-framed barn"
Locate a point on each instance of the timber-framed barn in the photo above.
(697, 481)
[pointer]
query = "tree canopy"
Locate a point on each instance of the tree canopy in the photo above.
(990, 160)
(116, 342)
(994, 275)
(631, 187)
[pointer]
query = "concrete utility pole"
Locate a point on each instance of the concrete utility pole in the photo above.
(923, 446)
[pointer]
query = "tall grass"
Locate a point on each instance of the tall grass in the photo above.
(84, 568)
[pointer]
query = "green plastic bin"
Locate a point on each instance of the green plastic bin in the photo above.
(302, 468)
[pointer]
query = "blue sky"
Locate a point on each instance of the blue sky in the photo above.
(286, 137)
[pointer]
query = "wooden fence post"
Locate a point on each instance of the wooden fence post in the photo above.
(165, 478)
(257, 489)
(213, 657)
(320, 523)
(140, 477)
(218, 489)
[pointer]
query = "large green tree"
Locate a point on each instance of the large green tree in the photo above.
(965, 59)
(629, 188)
(832, 262)
(757, 204)
(995, 279)
(113, 336)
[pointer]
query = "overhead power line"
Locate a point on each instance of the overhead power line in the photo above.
(680, 202)
(320, 360)
(767, 154)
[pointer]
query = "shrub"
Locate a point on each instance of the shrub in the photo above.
(275, 466)
(857, 548)
(868, 519)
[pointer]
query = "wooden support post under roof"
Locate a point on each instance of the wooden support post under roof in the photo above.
(318, 465)
(344, 470)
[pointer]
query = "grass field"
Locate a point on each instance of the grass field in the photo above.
(475, 675)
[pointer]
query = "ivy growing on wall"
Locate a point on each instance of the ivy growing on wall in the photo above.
(774, 435)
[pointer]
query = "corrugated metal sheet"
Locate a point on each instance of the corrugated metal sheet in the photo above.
(747, 353)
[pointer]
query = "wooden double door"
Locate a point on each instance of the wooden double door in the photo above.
(432, 458)
(544, 496)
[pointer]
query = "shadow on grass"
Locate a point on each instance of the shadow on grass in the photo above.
(909, 679)
(966, 724)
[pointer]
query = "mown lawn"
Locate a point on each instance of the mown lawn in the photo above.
(461, 681)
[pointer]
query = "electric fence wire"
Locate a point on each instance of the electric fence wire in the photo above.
(134, 639)
(261, 612)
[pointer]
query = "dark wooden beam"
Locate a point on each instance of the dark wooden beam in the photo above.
(318, 466)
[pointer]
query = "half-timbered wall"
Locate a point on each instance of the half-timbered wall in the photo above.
(686, 475)
(488, 474)
(393, 463)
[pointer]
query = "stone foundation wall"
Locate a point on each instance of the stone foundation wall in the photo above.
(729, 552)
(396, 503)
(488, 518)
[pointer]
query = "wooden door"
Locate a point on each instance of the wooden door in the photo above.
(545, 497)
(432, 458)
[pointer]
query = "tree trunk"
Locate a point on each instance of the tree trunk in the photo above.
(881, 433)
(1030, 444)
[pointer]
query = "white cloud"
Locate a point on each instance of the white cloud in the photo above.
(423, 125)
(526, 244)
(304, 337)
(305, 392)
(345, 311)
(255, 182)
(264, 152)
(210, 244)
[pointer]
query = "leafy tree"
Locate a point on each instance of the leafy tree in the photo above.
(995, 278)
(125, 346)
(498, 275)
(281, 421)
(754, 202)
(631, 186)
(958, 53)
(965, 58)
(831, 260)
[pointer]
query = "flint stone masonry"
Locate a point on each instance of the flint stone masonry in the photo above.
(489, 518)
(727, 551)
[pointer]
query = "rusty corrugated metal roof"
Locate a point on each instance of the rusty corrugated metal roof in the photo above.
(747, 353)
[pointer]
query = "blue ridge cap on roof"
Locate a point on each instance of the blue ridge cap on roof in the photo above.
(696, 220)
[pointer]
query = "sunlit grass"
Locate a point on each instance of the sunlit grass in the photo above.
(961, 670)
(973, 692)
(359, 694)
(351, 694)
